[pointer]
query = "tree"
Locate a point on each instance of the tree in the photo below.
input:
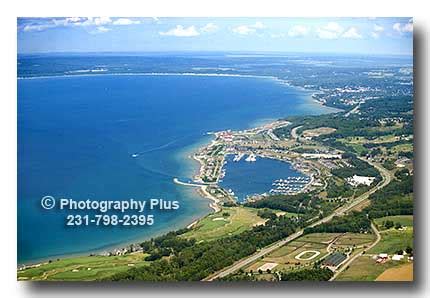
(389, 224)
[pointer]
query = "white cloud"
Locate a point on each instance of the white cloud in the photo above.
(68, 22)
(298, 31)
(243, 30)
(330, 31)
(258, 25)
(333, 27)
(89, 21)
(28, 28)
(333, 30)
(409, 27)
(404, 28)
(248, 29)
(209, 28)
(378, 28)
(397, 27)
(74, 19)
(377, 31)
(324, 34)
(352, 33)
(124, 22)
(101, 29)
(102, 21)
(181, 31)
(79, 22)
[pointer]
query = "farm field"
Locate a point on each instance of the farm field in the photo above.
(393, 240)
(349, 239)
(404, 220)
(364, 268)
(400, 273)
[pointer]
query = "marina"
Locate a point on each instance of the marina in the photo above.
(290, 185)
(244, 179)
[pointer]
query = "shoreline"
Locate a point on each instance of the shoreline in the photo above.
(214, 203)
(89, 74)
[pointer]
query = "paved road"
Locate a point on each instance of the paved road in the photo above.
(353, 111)
(345, 265)
(386, 178)
(294, 132)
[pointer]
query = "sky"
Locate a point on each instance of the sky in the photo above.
(388, 36)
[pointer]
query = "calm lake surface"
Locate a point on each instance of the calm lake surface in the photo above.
(77, 137)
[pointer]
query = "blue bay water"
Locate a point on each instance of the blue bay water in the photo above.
(250, 178)
(76, 136)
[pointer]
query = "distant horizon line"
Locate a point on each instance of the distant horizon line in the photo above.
(274, 53)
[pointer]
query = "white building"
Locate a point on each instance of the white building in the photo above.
(357, 180)
(397, 257)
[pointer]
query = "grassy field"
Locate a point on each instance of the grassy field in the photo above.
(404, 220)
(364, 268)
(362, 140)
(403, 147)
(350, 239)
(318, 131)
(357, 143)
(83, 268)
(359, 148)
(319, 237)
(386, 128)
(393, 240)
(229, 221)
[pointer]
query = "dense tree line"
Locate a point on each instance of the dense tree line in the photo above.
(386, 107)
(355, 222)
(408, 154)
(342, 190)
(402, 186)
(202, 259)
(166, 245)
(314, 274)
(358, 167)
(394, 199)
(299, 203)
(266, 213)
